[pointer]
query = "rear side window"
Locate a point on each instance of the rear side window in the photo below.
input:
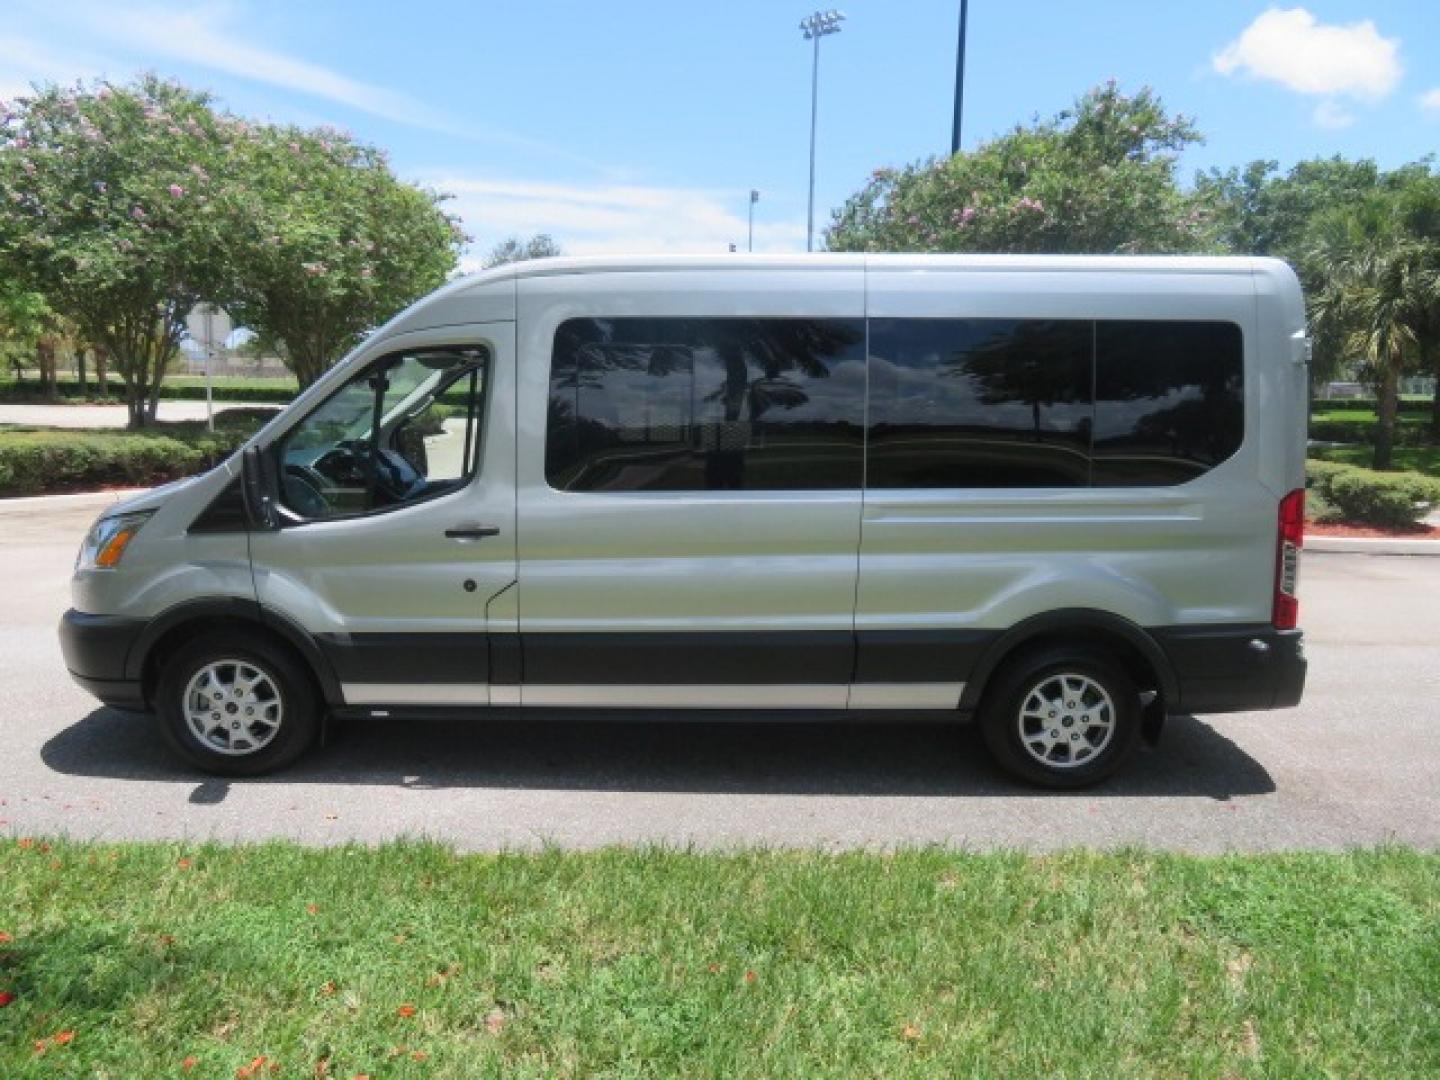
(641, 404)
(1169, 400)
(979, 403)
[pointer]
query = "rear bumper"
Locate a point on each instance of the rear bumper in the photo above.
(1234, 668)
(95, 648)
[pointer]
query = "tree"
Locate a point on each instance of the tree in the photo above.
(539, 246)
(1257, 210)
(1299, 216)
(106, 212)
(1097, 178)
(1419, 207)
(1377, 298)
(25, 319)
(323, 243)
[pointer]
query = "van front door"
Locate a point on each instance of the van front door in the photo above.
(397, 498)
(690, 511)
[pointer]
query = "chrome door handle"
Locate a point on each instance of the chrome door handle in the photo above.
(472, 532)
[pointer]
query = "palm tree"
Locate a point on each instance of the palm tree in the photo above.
(1373, 300)
(1419, 204)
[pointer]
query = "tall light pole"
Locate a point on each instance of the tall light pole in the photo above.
(814, 27)
(754, 198)
(959, 78)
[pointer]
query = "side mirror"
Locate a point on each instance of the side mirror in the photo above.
(255, 485)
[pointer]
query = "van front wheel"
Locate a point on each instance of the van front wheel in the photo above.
(1061, 718)
(235, 704)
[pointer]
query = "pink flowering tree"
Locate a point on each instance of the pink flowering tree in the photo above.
(323, 242)
(1097, 178)
(102, 215)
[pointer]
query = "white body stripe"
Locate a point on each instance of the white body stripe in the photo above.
(917, 695)
(416, 694)
(662, 696)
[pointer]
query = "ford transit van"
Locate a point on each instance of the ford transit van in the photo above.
(1058, 496)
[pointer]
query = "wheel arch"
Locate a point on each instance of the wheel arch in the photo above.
(1127, 641)
(181, 623)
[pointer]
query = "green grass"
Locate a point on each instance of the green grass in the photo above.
(1423, 459)
(630, 962)
(1364, 416)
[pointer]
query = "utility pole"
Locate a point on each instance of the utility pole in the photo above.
(814, 27)
(959, 78)
(754, 198)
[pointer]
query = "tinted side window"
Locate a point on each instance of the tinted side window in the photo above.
(1169, 400)
(989, 403)
(706, 405)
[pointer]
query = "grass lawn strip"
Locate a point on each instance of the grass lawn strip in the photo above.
(411, 960)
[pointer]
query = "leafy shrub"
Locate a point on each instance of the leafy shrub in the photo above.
(276, 391)
(1363, 431)
(36, 462)
(1364, 496)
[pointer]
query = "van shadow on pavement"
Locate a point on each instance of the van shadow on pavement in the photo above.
(742, 758)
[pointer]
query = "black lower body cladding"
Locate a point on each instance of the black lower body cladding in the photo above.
(96, 648)
(1201, 669)
(1235, 668)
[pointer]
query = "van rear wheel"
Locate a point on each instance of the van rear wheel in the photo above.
(1061, 717)
(236, 704)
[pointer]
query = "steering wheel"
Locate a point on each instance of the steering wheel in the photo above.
(303, 492)
(348, 465)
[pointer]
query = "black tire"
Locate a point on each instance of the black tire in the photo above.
(1012, 687)
(299, 713)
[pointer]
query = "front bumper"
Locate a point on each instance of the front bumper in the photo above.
(96, 648)
(1235, 668)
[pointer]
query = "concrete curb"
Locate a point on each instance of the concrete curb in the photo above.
(99, 498)
(1365, 545)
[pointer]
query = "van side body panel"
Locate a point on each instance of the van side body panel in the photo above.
(864, 597)
(655, 598)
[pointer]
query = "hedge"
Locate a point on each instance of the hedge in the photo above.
(1408, 404)
(39, 461)
(1363, 431)
(268, 391)
(1364, 496)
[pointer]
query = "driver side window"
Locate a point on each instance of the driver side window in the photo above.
(405, 429)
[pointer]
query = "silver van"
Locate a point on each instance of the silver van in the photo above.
(1060, 496)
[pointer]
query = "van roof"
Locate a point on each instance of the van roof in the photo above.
(597, 264)
(437, 309)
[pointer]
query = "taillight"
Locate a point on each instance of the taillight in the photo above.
(1286, 614)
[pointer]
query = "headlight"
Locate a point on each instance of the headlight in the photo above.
(109, 537)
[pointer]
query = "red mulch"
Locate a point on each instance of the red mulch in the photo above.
(1414, 532)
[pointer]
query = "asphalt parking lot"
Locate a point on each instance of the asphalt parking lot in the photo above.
(1357, 763)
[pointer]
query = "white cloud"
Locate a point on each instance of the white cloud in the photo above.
(206, 36)
(609, 218)
(23, 62)
(1291, 47)
(1332, 115)
(199, 36)
(1431, 100)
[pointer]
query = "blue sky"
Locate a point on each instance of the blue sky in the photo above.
(632, 126)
